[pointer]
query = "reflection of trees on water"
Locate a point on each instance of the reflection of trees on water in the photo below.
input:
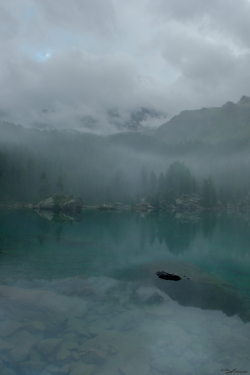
(58, 233)
(176, 234)
(166, 229)
(44, 228)
(132, 231)
(152, 232)
(209, 221)
(119, 227)
(143, 225)
(148, 230)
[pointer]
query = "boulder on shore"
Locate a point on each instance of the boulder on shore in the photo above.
(47, 204)
(60, 203)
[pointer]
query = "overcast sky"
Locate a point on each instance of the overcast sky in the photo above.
(89, 64)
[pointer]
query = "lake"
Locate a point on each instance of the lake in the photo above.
(81, 296)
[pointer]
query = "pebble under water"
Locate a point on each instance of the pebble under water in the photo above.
(82, 297)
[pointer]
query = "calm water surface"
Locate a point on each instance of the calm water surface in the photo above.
(82, 297)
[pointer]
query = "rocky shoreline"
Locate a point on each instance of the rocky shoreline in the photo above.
(183, 203)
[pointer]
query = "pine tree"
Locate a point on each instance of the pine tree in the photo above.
(213, 192)
(59, 184)
(45, 188)
(157, 201)
(194, 185)
(152, 183)
(222, 196)
(208, 193)
(144, 182)
(108, 195)
(137, 197)
(161, 185)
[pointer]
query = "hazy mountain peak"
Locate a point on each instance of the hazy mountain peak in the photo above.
(229, 122)
(245, 100)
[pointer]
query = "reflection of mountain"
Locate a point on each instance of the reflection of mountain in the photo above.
(203, 291)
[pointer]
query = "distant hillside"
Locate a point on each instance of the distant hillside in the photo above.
(229, 122)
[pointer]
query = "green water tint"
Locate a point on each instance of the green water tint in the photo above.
(83, 297)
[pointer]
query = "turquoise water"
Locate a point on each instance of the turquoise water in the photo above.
(81, 296)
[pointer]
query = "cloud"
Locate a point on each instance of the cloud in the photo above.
(72, 85)
(225, 18)
(136, 59)
(95, 16)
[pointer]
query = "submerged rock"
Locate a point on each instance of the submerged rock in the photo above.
(35, 356)
(135, 365)
(19, 354)
(52, 306)
(49, 346)
(98, 326)
(112, 349)
(63, 355)
(9, 326)
(172, 365)
(65, 369)
(70, 338)
(32, 367)
(35, 326)
(53, 369)
(7, 371)
(5, 346)
(94, 356)
(78, 327)
(70, 345)
(82, 368)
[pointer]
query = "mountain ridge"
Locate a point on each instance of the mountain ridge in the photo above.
(215, 124)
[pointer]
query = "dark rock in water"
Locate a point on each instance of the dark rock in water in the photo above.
(168, 276)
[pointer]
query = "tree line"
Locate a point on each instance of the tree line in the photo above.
(23, 179)
(123, 168)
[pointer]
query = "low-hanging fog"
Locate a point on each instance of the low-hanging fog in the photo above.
(120, 168)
